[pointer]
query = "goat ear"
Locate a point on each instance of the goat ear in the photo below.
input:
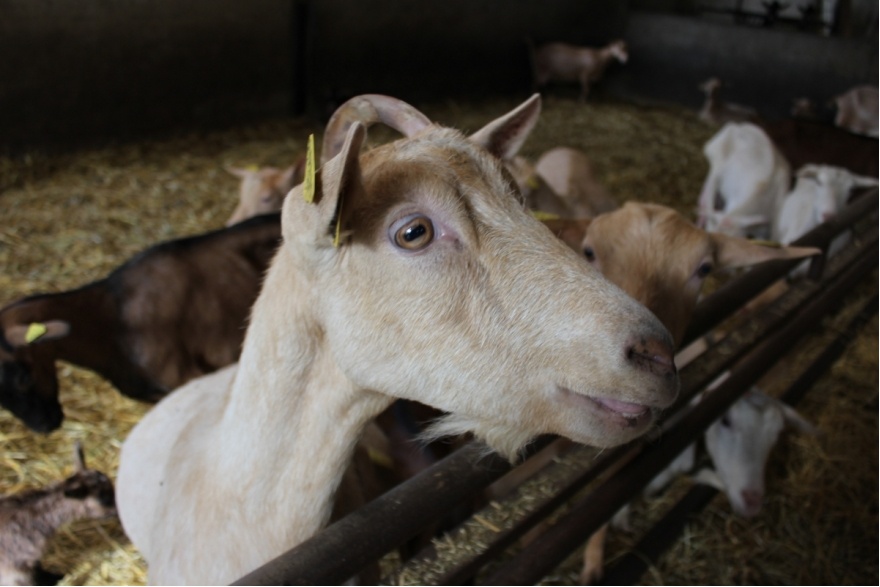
(798, 422)
(731, 251)
(339, 179)
(709, 477)
(295, 174)
(21, 335)
(76, 490)
(238, 172)
(863, 181)
(571, 232)
(504, 136)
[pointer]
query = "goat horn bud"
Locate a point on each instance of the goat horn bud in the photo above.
(369, 109)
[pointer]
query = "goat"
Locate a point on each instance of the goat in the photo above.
(803, 142)
(819, 194)
(569, 173)
(661, 259)
(857, 110)
(738, 444)
(171, 313)
(747, 181)
(569, 63)
(716, 111)
(262, 190)
(29, 519)
(437, 286)
(561, 184)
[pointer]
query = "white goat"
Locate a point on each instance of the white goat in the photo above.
(442, 289)
(569, 63)
(747, 182)
(661, 259)
(857, 110)
(262, 190)
(819, 194)
(739, 445)
(29, 519)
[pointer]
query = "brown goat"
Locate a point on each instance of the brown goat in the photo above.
(716, 111)
(262, 191)
(29, 519)
(803, 142)
(171, 313)
(568, 63)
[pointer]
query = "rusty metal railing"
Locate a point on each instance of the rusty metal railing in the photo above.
(344, 548)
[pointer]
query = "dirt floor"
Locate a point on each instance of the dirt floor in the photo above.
(70, 219)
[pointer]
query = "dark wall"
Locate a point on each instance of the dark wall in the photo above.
(103, 68)
(86, 71)
(438, 48)
(764, 68)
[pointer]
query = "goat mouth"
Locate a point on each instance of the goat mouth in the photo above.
(629, 414)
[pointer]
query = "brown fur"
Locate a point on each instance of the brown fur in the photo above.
(586, 65)
(716, 111)
(29, 519)
(262, 191)
(661, 259)
(171, 313)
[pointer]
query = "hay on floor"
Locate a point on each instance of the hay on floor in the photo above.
(70, 219)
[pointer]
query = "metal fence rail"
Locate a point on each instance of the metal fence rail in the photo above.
(344, 548)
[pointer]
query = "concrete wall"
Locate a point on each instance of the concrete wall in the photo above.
(764, 68)
(431, 49)
(83, 71)
(73, 71)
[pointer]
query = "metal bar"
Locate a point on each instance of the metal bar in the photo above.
(694, 377)
(590, 513)
(630, 567)
(730, 297)
(342, 549)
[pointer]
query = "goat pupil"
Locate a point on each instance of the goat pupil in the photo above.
(414, 232)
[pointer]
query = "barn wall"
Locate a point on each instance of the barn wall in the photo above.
(108, 68)
(93, 70)
(765, 68)
(436, 48)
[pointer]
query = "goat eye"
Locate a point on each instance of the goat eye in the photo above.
(704, 269)
(415, 233)
(590, 254)
(725, 421)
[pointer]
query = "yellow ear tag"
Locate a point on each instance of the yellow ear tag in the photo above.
(533, 182)
(772, 244)
(544, 215)
(309, 179)
(252, 168)
(380, 458)
(35, 330)
(338, 224)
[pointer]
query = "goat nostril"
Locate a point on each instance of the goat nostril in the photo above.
(652, 355)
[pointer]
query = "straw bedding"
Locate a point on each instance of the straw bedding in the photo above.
(70, 219)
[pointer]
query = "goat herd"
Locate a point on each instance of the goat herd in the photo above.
(515, 297)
